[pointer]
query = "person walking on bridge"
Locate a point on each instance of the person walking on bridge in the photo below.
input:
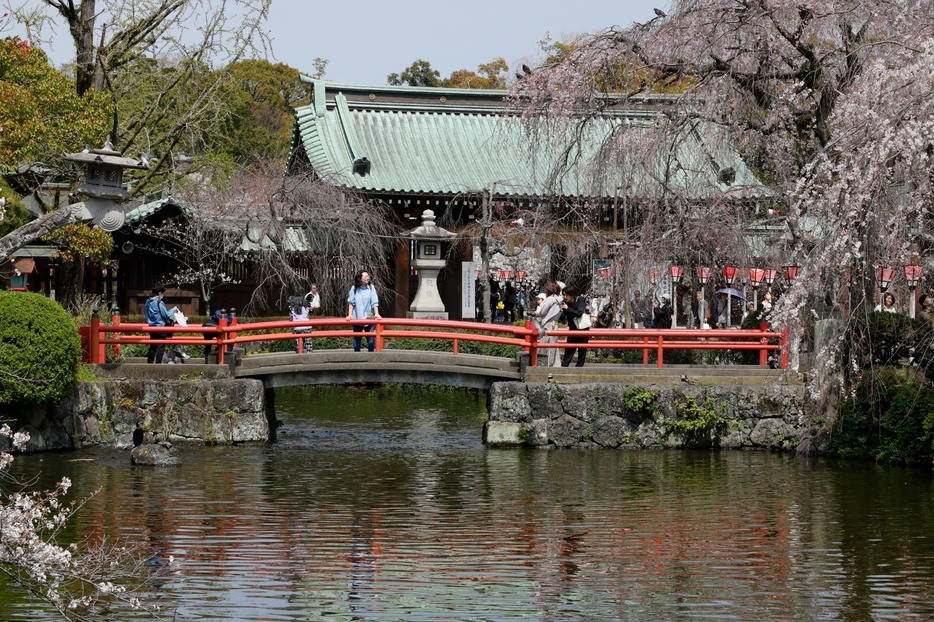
(577, 317)
(547, 315)
(158, 315)
(363, 304)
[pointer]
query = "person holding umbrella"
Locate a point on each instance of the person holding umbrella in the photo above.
(722, 311)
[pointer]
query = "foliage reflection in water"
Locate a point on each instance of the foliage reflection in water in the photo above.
(383, 504)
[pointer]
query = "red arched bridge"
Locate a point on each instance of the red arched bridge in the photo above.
(451, 364)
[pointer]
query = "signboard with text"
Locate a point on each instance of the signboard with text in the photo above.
(468, 291)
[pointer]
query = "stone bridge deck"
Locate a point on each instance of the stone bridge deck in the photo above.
(421, 367)
(404, 366)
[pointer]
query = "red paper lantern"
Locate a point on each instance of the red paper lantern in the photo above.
(790, 272)
(912, 275)
(703, 273)
(729, 274)
(756, 275)
(770, 274)
(676, 272)
(884, 276)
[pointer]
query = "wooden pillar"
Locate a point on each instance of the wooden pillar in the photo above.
(402, 279)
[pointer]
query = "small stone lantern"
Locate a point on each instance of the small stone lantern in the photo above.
(429, 262)
(103, 184)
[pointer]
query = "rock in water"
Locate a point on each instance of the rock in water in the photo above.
(151, 454)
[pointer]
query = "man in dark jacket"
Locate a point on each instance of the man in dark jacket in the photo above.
(574, 307)
(662, 312)
(212, 322)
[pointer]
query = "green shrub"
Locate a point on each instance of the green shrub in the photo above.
(39, 349)
(889, 418)
(641, 401)
(694, 418)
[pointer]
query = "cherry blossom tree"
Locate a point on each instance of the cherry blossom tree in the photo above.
(828, 102)
(86, 581)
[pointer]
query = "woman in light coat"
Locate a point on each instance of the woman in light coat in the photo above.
(547, 317)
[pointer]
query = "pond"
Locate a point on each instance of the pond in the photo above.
(382, 504)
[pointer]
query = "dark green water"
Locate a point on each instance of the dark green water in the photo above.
(385, 505)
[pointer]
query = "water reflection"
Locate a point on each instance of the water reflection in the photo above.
(383, 504)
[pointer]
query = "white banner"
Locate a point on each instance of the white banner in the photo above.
(468, 292)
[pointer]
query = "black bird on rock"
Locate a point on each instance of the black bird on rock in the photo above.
(138, 435)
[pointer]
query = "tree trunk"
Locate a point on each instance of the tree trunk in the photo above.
(82, 31)
(69, 283)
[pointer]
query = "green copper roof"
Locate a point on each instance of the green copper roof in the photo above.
(390, 139)
(144, 211)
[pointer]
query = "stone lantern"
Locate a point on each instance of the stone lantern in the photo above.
(429, 262)
(103, 184)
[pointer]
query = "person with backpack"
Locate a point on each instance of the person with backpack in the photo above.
(212, 322)
(158, 315)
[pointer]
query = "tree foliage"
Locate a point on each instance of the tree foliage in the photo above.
(418, 73)
(81, 241)
(261, 98)
(154, 60)
(491, 75)
(39, 349)
(41, 115)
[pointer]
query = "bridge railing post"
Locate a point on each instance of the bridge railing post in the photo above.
(221, 338)
(645, 351)
(661, 351)
(94, 338)
(763, 353)
(532, 343)
(233, 324)
(785, 348)
(379, 336)
(116, 322)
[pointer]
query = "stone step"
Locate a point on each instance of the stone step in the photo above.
(571, 375)
(138, 368)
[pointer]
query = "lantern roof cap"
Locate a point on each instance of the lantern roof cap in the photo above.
(105, 155)
(429, 230)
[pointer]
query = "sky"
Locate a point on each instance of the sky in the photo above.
(366, 40)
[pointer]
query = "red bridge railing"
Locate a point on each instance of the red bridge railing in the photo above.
(97, 336)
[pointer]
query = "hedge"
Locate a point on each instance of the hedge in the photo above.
(39, 349)
(889, 417)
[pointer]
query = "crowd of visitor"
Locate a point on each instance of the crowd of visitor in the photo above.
(556, 305)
